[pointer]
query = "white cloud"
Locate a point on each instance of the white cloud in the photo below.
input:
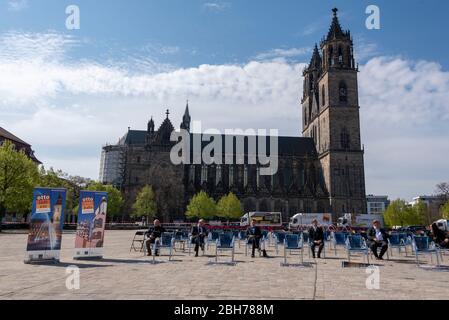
(282, 54)
(59, 106)
(17, 5)
(216, 6)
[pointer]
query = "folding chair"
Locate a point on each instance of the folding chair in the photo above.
(278, 238)
(423, 245)
(242, 236)
(249, 243)
(310, 247)
(166, 241)
(212, 238)
(338, 239)
(293, 242)
(399, 241)
(225, 242)
(356, 244)
(139, 237)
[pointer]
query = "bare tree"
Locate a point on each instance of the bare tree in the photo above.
(442, 190)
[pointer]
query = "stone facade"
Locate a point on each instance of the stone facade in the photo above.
(323, 171)
(331, 117)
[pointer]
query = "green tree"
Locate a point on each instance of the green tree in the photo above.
(419, 214)
(445, 211)
(399, 213)
(18, 176)
(145, 205)
(229, 207)
(201, 206)
(115, 199)
(58, 179)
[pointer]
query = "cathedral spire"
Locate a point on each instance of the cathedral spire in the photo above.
(186, 119)
(151, 125)
(335, 31)
(315, 62)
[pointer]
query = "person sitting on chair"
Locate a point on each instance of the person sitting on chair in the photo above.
(154, 234)
(199, 233)
(378, 238)
(316, 238)
(440, 237)
(254, 235)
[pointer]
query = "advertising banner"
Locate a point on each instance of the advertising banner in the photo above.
(92, 212)
(47, 222)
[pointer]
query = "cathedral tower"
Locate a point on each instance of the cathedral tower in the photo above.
(331, 117)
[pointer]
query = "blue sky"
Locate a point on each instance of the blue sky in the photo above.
(68, 92)
(220, 32)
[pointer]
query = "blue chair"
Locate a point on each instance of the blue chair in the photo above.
(212, 237)
(242, 236)
(356, 244)
(338, 239)
(399, 241)
(423, 245)
(279, 238)
(249, 244)
(225, 242)
(293, 242)
(166, 241)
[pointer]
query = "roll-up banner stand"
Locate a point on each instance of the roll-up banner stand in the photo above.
(47, 222)
(92, 212)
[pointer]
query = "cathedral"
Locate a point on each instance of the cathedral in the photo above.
(321, 171)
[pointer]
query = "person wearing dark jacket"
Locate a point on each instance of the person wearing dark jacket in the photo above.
(254, 234)
(377, 238)
(316, 238)
(199, 233)
(440, 237)
(154, 234)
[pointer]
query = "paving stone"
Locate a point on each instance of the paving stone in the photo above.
(129, 275)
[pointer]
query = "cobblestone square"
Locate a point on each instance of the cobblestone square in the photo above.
(129, 275)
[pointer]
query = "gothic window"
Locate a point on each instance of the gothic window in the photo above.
(245, 176)
(323, 96)
(203, 174)
(344, 138)
(231, 176)
(340, 55)
(331, 56)
(258, 177)
(343, 92)
(192, 173)
(218, 175)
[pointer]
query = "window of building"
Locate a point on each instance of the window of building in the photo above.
(218, 175)
(345, 139)
(245, 176)
(203, 174)
(343, 92)
(231, 176)
(323, 96)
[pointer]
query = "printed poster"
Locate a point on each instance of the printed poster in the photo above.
(46, 225)
(92, 213)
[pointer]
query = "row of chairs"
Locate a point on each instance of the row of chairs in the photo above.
(353, 243)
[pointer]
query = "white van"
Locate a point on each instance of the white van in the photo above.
(264, 219)
(305, 219)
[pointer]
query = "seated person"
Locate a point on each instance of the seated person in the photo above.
(154, 234)
(316, 238)
(199, 233)
(377, 238)
(254, 234)
(440, 237)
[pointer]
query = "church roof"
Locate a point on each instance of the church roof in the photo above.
(287, 146)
